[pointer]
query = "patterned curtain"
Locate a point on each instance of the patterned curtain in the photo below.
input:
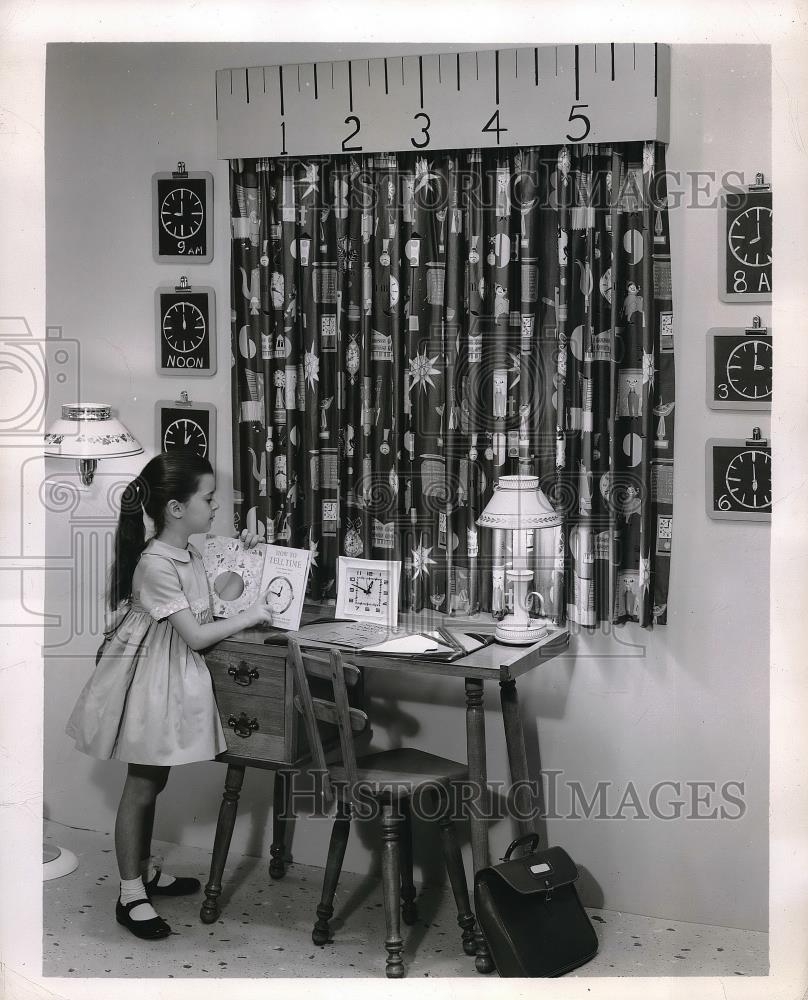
(407, 328)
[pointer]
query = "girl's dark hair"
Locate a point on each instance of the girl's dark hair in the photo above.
(172, 475)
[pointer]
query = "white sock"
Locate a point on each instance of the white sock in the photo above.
(132, 889)
(148, 869)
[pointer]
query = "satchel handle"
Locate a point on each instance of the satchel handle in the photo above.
(532, 839)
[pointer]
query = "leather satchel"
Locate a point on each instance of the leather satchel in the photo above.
(530, 913)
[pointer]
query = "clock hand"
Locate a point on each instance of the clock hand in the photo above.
(757, 238)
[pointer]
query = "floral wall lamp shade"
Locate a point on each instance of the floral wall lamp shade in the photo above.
(88, 432)
(519, 505)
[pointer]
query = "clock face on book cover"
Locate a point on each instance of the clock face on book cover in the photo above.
(367, 589)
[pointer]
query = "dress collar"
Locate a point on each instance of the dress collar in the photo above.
(163, 549)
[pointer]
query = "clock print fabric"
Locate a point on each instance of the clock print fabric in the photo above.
(408, 328)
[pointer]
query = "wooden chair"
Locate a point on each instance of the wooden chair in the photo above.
(389, 780)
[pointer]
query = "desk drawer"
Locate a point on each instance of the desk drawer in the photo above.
(234, 673)
(253, 726)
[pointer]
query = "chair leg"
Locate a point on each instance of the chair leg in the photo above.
(457, 878)
(409, 911)
(333, 867)
(221, 843)
(391, 888)
(280, 818)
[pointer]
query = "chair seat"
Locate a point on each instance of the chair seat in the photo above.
(402, 771)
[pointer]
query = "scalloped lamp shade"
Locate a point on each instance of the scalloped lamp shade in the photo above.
(88, 432)
(518, 503)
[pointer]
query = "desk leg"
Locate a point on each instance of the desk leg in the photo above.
(221, 844)
(475, 747)
(515, 742)
(280, 818)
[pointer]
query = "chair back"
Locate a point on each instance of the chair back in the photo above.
(327, 665)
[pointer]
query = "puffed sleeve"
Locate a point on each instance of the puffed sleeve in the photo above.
(160, 591)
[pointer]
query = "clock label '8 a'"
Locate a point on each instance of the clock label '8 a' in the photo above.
(739, 479)
(190, 426)
(745, 233)
(185, 320)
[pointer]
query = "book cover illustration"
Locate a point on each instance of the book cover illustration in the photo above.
(283, 584)
(234, 574)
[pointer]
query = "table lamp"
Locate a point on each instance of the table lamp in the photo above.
(519, 505)
(87, 432)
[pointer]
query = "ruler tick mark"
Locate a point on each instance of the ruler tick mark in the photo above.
(576, 75)
(298, 78)
(386, 90)
(536, 66)
(368, 72)
(315, 82)
(350, 87)
(496, 75)
(280, 83)
(634, 50)
(457, 57)
(655, 69)
(612, 48)
(421, 80)
(247, 83)
(477, 64)
(556, 59)
(264, 74)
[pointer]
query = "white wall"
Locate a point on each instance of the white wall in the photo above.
(688, 702)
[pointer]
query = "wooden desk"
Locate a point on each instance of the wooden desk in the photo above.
(254, 690)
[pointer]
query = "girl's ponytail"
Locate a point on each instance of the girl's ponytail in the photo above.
(130, 540)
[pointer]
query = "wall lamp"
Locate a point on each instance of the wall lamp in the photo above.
(89, 432)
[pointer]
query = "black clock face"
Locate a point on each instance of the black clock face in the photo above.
(749, 480)
(186, 323)
(181, 220)
(750, 236)
(185, 432)
(747, 265)
(749, 369)
(184, 327)
(182, 213)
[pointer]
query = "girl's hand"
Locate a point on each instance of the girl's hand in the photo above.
(259, 614)
(248, 539)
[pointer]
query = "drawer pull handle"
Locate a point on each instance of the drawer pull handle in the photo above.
(243, 674)
(242, 726)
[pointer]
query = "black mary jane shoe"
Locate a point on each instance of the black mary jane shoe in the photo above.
(150, 930)
(181, 886)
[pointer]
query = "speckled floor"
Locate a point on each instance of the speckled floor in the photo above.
(265, 928)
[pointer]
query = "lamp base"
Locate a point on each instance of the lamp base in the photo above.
(514, 633)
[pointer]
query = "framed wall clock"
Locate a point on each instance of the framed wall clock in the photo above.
(739, 368)
(182, 423)
(367, 589)
(182, 216)
(745, 243)
(739, 478)
(185, 326)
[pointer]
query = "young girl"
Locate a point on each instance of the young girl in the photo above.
(150, 700)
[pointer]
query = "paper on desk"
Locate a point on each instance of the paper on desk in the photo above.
(418, 642)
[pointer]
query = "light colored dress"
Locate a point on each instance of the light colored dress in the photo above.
(150, 699)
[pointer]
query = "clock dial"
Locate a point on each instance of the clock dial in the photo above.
(185, 433)
(184, 327)
(749, 478)
(279, 594)
(369, 591)
(750, 236)
(749, 369)
(181, 213)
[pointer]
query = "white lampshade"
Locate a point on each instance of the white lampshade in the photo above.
(88, 432)
(519, 503)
